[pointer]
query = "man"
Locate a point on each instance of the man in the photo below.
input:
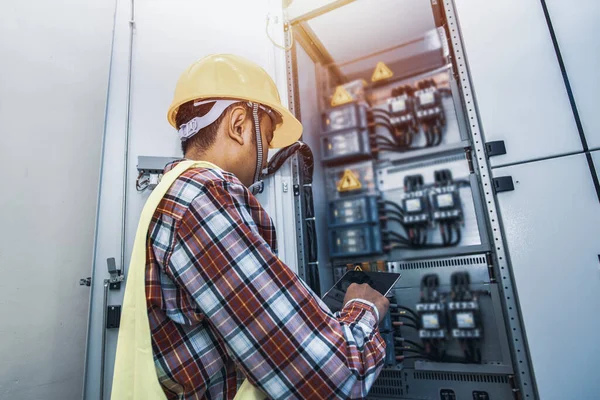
(218, 298)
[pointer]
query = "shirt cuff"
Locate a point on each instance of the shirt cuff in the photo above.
(367, 303)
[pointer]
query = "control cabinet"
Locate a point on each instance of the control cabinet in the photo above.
(402, 192)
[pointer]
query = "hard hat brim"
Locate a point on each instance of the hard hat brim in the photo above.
(286, 133)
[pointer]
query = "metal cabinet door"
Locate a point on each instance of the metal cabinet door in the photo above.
(518, 84)
(576, 27)
(552, 226)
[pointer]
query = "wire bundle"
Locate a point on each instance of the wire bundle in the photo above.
(402, 140)
(307, 164)
(417, 234)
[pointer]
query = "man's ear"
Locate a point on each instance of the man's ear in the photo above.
(235, 127)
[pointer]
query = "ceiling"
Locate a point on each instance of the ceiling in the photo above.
(368, 26)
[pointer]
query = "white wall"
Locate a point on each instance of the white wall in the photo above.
(169, 35)
(53, 80)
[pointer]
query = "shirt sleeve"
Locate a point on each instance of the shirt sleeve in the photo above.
(276, 330)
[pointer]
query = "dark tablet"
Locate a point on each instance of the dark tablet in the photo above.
(383, 282)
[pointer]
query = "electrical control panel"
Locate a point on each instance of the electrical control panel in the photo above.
(444, 317)
(446, 322)
(401, 194)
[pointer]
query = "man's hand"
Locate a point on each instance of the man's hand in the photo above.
(367, 293)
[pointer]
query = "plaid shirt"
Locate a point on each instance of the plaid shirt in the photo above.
(219, 299)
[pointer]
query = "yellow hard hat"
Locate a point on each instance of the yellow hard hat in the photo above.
(228, 76)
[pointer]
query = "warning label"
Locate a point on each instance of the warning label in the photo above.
(349, 182)
(341, 96)
(381, 72)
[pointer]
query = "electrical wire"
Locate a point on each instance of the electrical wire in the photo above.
(399, 324)
(380, 110)
(291, 35)
(409, 350)
(277, 161)
(141, 185)
(386, 139)
(418, 346)
(404, 308)
(383, 124)
(404, 241)
(410, 342)
(443, 234)
(394, 213)
(458, 235)
(393, 204)
(397, 236)
(394, 219)
(406, 316)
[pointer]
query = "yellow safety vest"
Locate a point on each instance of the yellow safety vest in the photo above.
(135, 373)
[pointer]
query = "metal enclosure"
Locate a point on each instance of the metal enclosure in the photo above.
(504, 370)
(576, 27)
(552, 225)
(54, 70)
(517, 81)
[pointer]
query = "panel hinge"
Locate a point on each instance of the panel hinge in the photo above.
(113, 317)
(495, 148)
(503, 184)
(296, 190)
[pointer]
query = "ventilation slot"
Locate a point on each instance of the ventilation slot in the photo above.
(449, 262)
(389, 383)
(450, 376)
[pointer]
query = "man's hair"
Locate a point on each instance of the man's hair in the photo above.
(207, 136)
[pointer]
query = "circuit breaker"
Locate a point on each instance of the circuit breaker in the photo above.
(355, 240)
(344, 117)
(358, 210)
(348, 145)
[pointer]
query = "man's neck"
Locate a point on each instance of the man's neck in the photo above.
(208, 156)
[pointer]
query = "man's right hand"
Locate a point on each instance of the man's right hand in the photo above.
(367, 293)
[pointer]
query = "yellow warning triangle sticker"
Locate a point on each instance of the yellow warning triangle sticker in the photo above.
(358, 268)
(348, 182)
(341, 96)
(381, 72)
